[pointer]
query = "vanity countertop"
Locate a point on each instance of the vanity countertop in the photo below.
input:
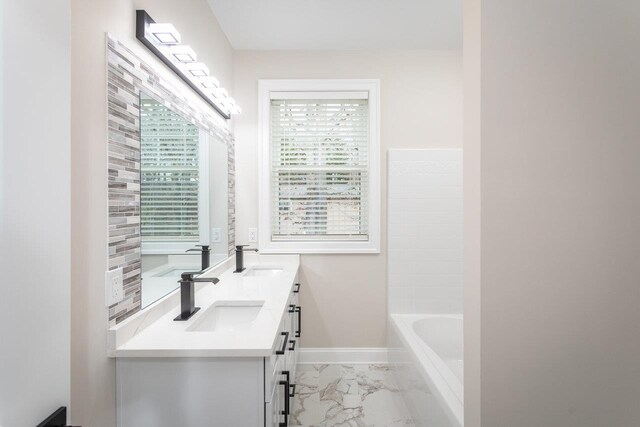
(152, 332)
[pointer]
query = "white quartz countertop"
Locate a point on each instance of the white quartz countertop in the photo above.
(153, 333)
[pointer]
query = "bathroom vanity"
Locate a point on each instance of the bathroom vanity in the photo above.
(232, 363)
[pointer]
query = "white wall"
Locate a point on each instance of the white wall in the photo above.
(1, 182)
(35, 188)
(345, 296)
(560, 236)
(472, 212)
(93, 374)
(425, 231)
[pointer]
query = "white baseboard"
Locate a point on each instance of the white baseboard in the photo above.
(349, 355)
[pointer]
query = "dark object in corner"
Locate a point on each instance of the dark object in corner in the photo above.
(57, 419)
(240, 259)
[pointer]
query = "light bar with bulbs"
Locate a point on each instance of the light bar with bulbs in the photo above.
(165, 42)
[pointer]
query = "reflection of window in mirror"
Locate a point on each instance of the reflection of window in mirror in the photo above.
(183, 197)
(174, 181)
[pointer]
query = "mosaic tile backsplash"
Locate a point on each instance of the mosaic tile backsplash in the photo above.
(126, 76)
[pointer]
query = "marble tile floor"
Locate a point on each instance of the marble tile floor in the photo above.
(359, 395)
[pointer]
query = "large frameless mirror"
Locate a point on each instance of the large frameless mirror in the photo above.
(183, 198)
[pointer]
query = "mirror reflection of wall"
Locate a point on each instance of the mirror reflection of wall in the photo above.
(183, 198)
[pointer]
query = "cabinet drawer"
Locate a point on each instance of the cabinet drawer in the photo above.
(278, 408)
(276, 362)
(275, 408)
(273, 375)
(269, 409)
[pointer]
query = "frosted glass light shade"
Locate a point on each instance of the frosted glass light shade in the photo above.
(184, 54)
(165, 33)
(197, 69)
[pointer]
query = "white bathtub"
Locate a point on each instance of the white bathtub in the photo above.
(426, 354)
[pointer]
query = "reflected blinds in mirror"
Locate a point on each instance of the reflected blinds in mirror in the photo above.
(319, 168)
(169, 178)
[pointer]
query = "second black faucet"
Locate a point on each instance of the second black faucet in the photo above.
(240, 259)
(206, 255)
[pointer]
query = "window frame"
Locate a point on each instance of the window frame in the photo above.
(265, 243)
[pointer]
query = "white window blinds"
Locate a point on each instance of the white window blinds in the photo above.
(319, 167)
(169, 181)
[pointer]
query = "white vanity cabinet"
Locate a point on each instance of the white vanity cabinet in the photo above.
(222, 391)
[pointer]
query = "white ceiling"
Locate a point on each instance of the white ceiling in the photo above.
(341, 24)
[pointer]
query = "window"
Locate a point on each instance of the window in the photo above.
(320, 166)
(173, 180)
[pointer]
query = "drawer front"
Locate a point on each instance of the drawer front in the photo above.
(295, 313)
(278, 408)
(296, 316)
(288, 329)
(274, 364)
(270, 410)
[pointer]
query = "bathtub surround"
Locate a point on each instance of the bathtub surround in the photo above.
(425, 275)
(424, 231)
(127, 76)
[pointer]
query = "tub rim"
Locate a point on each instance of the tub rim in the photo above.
(430, 365)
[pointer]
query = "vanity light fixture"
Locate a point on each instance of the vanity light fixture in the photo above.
(165, 42)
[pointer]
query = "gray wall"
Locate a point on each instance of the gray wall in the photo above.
(35, 211)
(560, 209)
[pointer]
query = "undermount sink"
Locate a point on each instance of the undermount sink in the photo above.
(263, 271)
(228, 316)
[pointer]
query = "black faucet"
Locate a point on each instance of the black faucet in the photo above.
(240, 259)
(188, 294)
(206, 255)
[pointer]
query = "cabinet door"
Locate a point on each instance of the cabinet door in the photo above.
(293, 341)
(274, 408)
(281, 402)
(276, 362)
(169, 392)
